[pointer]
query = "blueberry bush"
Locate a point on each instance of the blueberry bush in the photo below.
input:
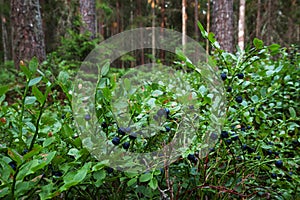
(257, 154)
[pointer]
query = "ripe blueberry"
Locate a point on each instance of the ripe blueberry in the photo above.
(116, 140)
(104, 125)
(109, 170)
(239, 99)
(250, 150)
(167, 111)
(167, 128)
(228, 141)
(223, 76)
(87, 117)
(269, 152)
(252, 109)
(121, 131)
(192, 158)
(279, 163)
(229, 89)
(243, 129)
(257, 158)
(13, 165)
(276, 153)
(224, 134)
(126, 145)
(234, 137)
(57, 173)
(244, 146)
(133, 136)
(240, 75)
(274, 176)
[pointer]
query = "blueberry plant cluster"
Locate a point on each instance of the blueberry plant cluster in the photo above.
(256, 156)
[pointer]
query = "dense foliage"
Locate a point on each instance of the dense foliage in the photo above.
(256, 156)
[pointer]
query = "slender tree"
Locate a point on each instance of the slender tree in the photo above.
(27, 31)
(222, 24)
(258, 19)
(241, 26)
(196, 16)
(88, 14)
(184, 21)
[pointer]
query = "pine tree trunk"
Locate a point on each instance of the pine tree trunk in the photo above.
(241, 27)
(27, 31)
(208, 25)
(222, 24)
(88, 14)
(184, 19)
(258, 19)
(196, 13)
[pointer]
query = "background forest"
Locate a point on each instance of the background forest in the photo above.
(254, 53)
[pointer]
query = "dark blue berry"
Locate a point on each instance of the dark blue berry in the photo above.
(109, 170)
(167, 128)
(191, 157)
(276, 153)
(126, 145)
(223, 76)
(239, 99)
(87, 117)
(121, 131)
(250, 150)
(257, 158)
(252, 109)
(249, 127)
(229, 89)
(244, 146)
(269, 152)
(240, 75)
(167, 111)
(279, 163)
(234, 137)
(13, 165)
(224, 134)
(270, 143)
(228, 141)
(116, 140)
(243, 128)
(211, 149)
(273, 175)
(104, 125)
(57, 173)
(133, 136)
(25, 151)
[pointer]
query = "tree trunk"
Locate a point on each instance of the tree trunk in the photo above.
(196, 13)
(153, 30)
(162, 25)
(223, 23)
(27, 31)
(258, 19)
(184, 19)
(208, 25)
(141, 37)
(5, 39)
(241, 33)
(88, 14)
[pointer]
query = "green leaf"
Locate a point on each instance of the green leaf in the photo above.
(258, 43)
(26, 71)
(100, 165)
(38, 94)
(145, 177)
(99, 176)
(36, 149)
(292, 112)
(35, 165)
(13, 154)
(202, 30)
(33, 65)
(34, 81)
(153, 183)
(131, 182)
(30, 100)
(48, 141)
(3, 89)
(75, 177)
(127, 84)
(105, 69)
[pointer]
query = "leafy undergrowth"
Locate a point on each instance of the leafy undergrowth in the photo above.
(257, 155)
